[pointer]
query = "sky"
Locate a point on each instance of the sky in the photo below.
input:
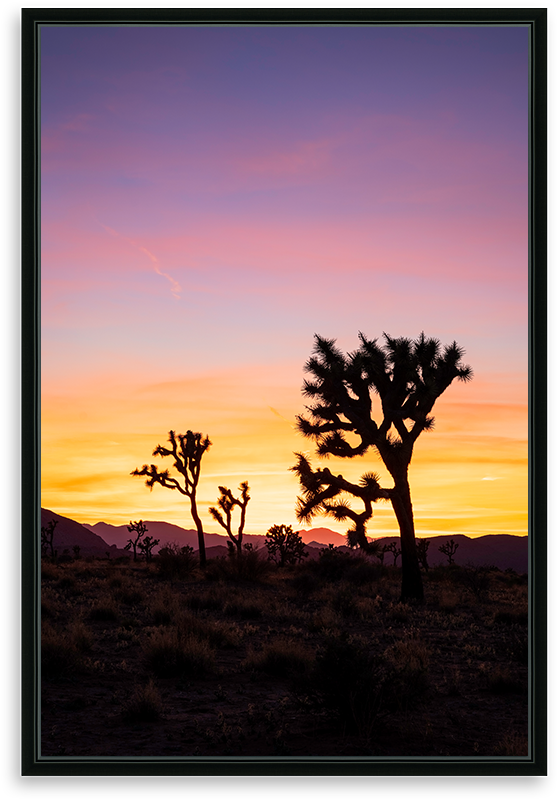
(212, 197)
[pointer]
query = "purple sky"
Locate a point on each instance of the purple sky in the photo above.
(212, 197)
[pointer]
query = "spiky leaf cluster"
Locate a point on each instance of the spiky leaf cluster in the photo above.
(406, 375)
(325, 493)
(187, 451)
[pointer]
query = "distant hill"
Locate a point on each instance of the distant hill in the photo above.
(499, 550)
(166, 532)
(69, 533)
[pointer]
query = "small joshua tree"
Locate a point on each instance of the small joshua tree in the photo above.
(449, 549)
(226, 503)
(140, 529)
(146, 546)
(187, 451)
(47, 537)
(393, 548)
(284, 546)
(422, 550)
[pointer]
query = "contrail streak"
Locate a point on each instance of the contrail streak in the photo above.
(175, 286)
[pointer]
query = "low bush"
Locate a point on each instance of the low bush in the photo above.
(104, 610)
(348, 679)
(62, 651)
(174, 562)
(144, 705)
(250, 566)
(281, 658)
(171, 653)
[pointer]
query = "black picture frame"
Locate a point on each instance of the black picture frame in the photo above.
(33, 764)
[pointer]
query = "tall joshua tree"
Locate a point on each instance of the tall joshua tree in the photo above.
(226, 504)
(187, 450)
(407, 376)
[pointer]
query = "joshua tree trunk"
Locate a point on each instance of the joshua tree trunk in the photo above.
(411, 578)
(199, 528)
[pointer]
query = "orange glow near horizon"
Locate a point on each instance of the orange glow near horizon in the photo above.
(467, 476)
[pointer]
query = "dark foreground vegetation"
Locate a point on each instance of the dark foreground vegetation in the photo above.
(246, 658)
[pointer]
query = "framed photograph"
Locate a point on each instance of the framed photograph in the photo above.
(284, 381)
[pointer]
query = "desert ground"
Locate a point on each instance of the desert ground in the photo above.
(246, 658)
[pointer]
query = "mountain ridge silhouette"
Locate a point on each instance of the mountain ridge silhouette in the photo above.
(500, 550)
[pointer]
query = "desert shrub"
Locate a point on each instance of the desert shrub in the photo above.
(128, 594)
(244, 607)
(362, 572)
(305, 582)
(343, 600)
(326, 619)
(171, 653)
(62, 651)
(249, 567)
(399, 613)
(281, 658)
(216, 632)
(49, 571)
(213, 600)
(447, 600)
(513, 744)
(80, 636)
(348, 679)
(475, 579)
(163, 607)
(104, 610)
(173, 561)
(332, 564)
(144, 705)
(507, 617)
(500, 680)
(407, 674)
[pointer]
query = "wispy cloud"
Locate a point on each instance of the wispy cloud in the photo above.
(175, 286)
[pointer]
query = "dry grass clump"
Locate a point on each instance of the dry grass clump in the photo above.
(144, 705)
(500, 680)
(513, 744)
(171, 653)
(216, 632)
(128, 594)
(175, 562)
(104, 610)
(252, 567)
(407, 676)
(62, 651)
(326, 619)
(281, 658)
(49, 571)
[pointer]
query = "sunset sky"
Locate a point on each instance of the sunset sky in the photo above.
(212, 197)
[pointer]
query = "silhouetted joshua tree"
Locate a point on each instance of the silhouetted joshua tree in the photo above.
(47, 537)
(187, 451)
(140, 529)
(394, 549)
(284, 546)
(407, 376)
(449, 549)
(146, 546)
(226, 503)
(422, 552)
